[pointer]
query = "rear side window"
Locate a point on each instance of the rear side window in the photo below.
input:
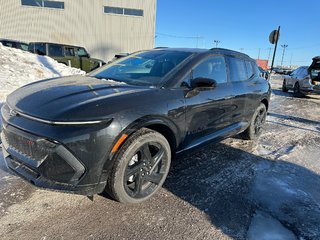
(213, 67)
(256, 69)
(55, 50)
(249, 69)
(237, 69)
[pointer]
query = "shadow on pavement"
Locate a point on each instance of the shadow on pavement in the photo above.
(231, 185)
(280, 93)
(296, 119)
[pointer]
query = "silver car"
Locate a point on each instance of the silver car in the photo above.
(304, 80)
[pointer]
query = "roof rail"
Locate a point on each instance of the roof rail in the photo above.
(229, 50)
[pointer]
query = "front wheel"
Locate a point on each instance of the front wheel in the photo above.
(258, 120)
(140, 167)
(296, 91)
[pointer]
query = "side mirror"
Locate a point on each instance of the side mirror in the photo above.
(201, 82)
(88, 55)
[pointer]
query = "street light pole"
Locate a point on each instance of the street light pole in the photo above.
(284, 46)
(216, 42)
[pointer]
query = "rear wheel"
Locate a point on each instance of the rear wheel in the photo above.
(296, 90)
(140, 167)
(284, 86)
(258, 120)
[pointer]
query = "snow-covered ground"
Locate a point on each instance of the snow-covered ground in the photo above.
(18, 68)
(268, 189)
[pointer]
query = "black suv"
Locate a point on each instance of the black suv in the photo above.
(118, 128)
(15, 44)
(73, 56)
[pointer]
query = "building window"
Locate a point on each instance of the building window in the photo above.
(43, 4)
(123, 11)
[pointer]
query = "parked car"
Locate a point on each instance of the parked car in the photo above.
(283, 71)
(304, 80)
(73, 56)
(15, 44)
(118, 56)
(117, 129)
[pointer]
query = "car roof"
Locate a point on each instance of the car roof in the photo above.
(11, 40)
(61, 44)
(201, 51)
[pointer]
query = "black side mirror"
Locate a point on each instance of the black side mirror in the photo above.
(202, 82)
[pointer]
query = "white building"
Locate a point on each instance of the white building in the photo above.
(104, 27)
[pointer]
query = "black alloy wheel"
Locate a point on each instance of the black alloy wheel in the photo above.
(140, 168)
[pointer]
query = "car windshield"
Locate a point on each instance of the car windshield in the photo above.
(146, 68)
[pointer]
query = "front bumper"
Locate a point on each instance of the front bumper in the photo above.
(44, 163)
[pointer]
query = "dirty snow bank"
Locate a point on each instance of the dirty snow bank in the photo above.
(18, 68)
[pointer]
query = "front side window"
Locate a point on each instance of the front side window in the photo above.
(237, 69)
(213, 68)
(147, 68)
(81, 52)
(295, 72)
(303, 73)
(55, 51)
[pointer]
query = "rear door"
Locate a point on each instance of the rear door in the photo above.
(57, 52)
(241, 76)
(209, 110)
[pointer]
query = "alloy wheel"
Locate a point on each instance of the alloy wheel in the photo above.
(145, 170)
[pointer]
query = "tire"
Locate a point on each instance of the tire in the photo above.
(140, 167)
(284, 86)
(296, 91)
(258, 120)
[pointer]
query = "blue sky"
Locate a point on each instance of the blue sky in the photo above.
(242, 24)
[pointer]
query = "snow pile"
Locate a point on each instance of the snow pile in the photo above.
(18, 68)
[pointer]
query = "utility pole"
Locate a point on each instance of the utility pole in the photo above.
(259, 53)
(291, 59)
(216, 42)
(284, 46)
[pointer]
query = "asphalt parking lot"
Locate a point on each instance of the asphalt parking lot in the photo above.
(234, 189)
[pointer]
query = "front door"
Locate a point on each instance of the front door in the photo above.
(70, 56)
(209, 110)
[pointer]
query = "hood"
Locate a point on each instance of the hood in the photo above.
(75, 98)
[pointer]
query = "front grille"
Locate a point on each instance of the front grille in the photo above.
(28, 145)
